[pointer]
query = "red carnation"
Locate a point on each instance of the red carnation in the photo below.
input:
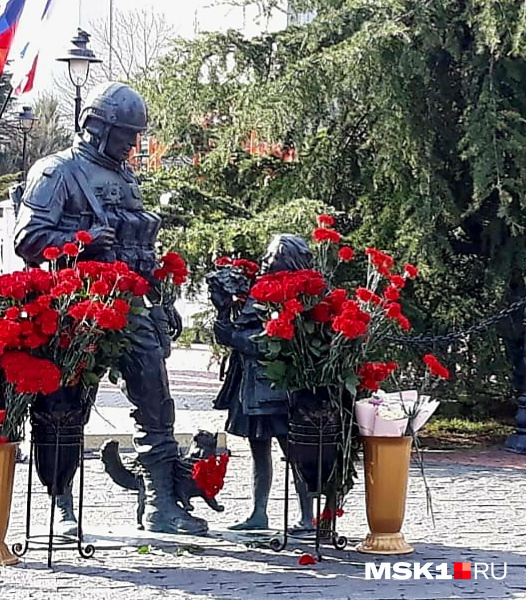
(306, 560)
(393, 310)
(172, 258)
(108, 318)
(48, 321)
(321, 313)
(372, 374)
(35, 340)
(29, 374)
(84, 237)
(248, 267)
(325, 220)
(66, 288)
(124, 284)
(352, 322)
(398, 281)
(174, 265)
(391, 293)
(86, 309)
(322, 234)
(12, 313)
(100, 288)
(140, 287)
(366, 295)
(346, 253)
(310, 282)
(31, 308)
(293, 306)
(350, 328)
(282, 327)
(403, 322)
(336, 299)
(268, 289)
(70, 249)
(435, 366)
(121, 306)
(44, 301)
(410, 271)
(67, 274)
(161, 274)
(51, 253)
(10, 332)
(223, 261)
(41, 281)
(382, 261)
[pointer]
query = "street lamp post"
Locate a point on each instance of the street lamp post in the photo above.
(26, 120)
(79, 58)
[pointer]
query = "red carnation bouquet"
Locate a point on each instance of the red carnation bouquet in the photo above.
(209, 474)
(170, 276)
(321, 335)
(61, 327)
(325, 328)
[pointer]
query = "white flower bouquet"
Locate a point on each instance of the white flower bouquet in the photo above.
(394, 414)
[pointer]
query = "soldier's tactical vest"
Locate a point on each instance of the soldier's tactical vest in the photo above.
(118, 196)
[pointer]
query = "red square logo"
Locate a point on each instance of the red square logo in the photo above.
(462, 570)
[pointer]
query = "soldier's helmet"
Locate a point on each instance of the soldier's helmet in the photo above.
(116, 105)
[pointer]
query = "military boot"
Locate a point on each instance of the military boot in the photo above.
(161, 513)
(65, 520)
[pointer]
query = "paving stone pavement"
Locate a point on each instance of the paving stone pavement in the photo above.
(480, 516)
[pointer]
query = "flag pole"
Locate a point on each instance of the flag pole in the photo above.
(6, 101)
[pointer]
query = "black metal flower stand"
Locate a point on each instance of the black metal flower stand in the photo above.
(56, 452)
(313, 450)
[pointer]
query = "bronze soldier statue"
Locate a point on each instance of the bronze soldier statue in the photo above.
(256, 410)
(90, 187)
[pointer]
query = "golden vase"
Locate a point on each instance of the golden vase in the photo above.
(386, 465)
(7, 475)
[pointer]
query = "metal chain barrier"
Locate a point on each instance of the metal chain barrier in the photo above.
(455, 336)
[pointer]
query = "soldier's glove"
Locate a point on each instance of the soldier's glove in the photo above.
(103, 237)
(175, 322)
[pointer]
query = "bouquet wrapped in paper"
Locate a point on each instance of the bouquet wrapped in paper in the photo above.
(393, 414)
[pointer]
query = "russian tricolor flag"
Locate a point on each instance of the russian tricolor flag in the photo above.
(33, 31)
(10, 12)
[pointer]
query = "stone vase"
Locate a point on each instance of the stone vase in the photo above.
(386, 465)
(7, 475)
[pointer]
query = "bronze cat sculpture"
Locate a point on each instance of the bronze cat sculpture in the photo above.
(127, 473)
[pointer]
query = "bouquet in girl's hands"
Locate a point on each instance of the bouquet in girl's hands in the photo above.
(229, 284)
(394, 414)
